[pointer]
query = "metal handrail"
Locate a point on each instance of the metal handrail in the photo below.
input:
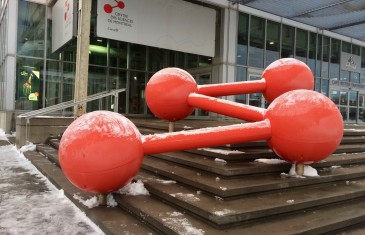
(68, 104)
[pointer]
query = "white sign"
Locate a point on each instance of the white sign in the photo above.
(350, 62)
(170, 24)
(62, 23)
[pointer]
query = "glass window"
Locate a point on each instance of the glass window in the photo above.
(335, 59)
(343, 111)
(118, 80)
(242, 39)
(155, 59)
(343, 98)
(353, 98)
(287, 36)
(204, 61)
(355, 49)
(346, 47)
(301, 45)
(53, 83)
(50, 55)
(118, 52)
(317, 85)
(137, 57)
(257, 42)
(180, 60)
(312, 51)
(272, 42)
(325, 57)
(202, 80)
(29, 84)
(345, 75)
(69, 51)
(136, 92)
(324, 87)
(98, 51)
(362, 77)
(335, 96)
(192, 61)
(68, 81)
(96, 83)
(31, 29)
(355, 77)
(319, 56)
(241, 76)
(352, 114)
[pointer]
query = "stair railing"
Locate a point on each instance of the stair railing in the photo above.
(68, 104)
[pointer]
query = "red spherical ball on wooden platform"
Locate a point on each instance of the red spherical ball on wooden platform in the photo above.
(306, 126)
(167, 92)
(101, 151)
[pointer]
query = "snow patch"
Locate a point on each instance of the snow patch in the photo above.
(180, 224)
(28, 147)
(134, 189)
(220, 161)
(271, 161)
(308, 172)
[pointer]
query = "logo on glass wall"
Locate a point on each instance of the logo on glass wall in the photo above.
(109, 8)
(351, 63)
(67, 9)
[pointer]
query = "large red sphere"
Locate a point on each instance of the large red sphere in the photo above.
(284, 75)
(101, 151)
(306, 126)
(167, 93)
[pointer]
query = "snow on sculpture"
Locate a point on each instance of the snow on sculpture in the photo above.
(102, 151)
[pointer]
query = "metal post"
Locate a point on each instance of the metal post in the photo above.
(171, 126)
(82, 56)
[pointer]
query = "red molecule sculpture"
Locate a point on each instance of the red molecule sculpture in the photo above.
(101, 151)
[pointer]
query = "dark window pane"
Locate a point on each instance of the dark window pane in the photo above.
(257, 42)
(242, 39)
(301, 45)
(155, 59)
(136, 92)
(118, 54)
(137, 57)
(53, 83)
(335, 59)
(272, 42)
(98, 51)
(287, 36)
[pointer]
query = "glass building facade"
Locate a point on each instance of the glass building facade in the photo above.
(261, 41)
(44, 78)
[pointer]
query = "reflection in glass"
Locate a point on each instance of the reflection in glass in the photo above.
(255, 99)
(343, 98)
(31, 29)
(241, 76)
(324, 87)
(335, 96)
(287, 36)
(319, 56)
(29, 84)
(118, 54)
(242, 39)
(335, 59)
(343, 111)
(353, 98)
(118, 80)
(312, 51)
(137, 57)
(352, 114)
(155, 59)
(272, 42)
(68, 81)
(257, 42)
(355, 77)
(345, 75)
(325, 57)
(136, 92)
(98, 51)
(96, 84)
(361, 115)
(192, 61)
(301, 45)
(53, 83)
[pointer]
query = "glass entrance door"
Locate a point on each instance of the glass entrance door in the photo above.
(201, 79)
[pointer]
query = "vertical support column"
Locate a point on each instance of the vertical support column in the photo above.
(82, 56)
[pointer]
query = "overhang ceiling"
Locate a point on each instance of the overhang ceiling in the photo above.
(345, 17)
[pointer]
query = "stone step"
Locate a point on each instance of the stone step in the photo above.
(172, 218)
(252, 183)
(110, 220)
(224, 214)
(250, 165)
